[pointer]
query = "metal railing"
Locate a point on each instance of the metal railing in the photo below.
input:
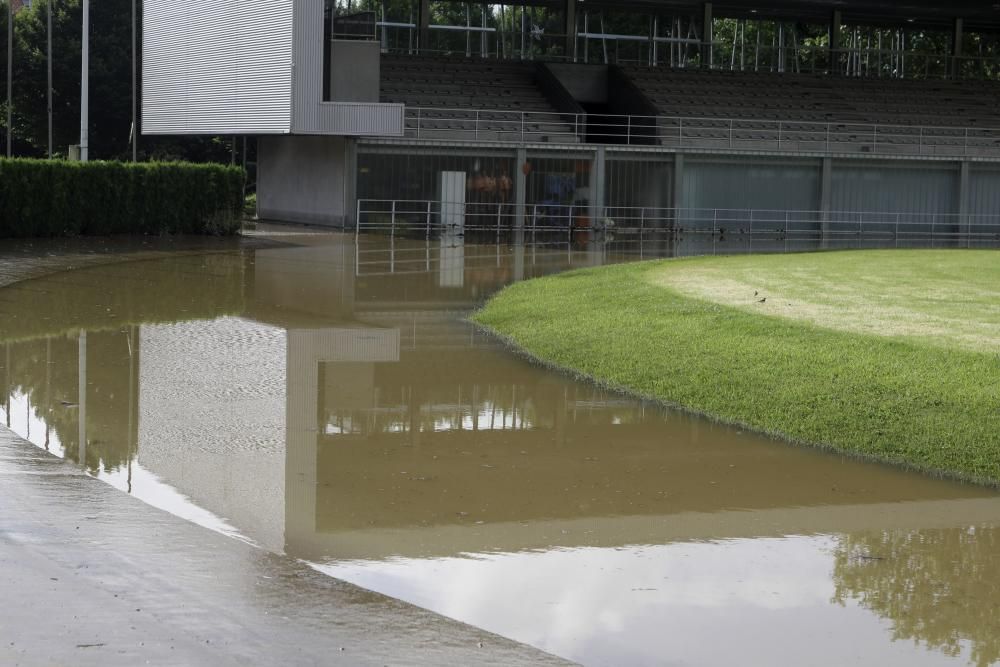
(430, 218)
(700, 132)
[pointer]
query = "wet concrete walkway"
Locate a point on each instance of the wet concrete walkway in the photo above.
(92, 576)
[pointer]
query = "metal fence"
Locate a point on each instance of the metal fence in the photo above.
(737, 134)
(481, 37)
(426, 218)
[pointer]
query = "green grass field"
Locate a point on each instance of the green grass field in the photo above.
(889, 355)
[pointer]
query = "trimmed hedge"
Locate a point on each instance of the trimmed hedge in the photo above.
(60, 198)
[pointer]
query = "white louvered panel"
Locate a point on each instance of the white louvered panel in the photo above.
(217, 66)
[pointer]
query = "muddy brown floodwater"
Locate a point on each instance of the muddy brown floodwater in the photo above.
(326, 399)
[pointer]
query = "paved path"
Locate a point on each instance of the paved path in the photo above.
(92, 576)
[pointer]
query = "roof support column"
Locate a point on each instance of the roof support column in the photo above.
(597, 178)
(678, 185)
(423, 25)
(956, 48)
(964, 220)
(569, 28)
(834, 50)
(825, 199)
(520, 188)
(706, 34)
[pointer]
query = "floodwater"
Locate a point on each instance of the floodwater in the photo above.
(325, 399)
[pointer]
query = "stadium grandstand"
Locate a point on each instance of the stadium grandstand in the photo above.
(454, 115)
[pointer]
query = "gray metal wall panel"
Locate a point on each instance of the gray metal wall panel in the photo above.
(750, 184)
(896, 188)
(984, 191)
(217, 67)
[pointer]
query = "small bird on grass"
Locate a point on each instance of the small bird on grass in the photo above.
(762, 300)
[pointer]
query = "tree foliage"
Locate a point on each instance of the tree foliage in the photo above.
(110, 110)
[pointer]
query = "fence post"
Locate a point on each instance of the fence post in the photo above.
(875, 139)
(418, 122)
(569, 225)
(393, 224)
(965, 145)
(477, 124)
(428, 219)
(779, 135)
(499, 215)
(828, 137)
(680, 131)
(731, 123)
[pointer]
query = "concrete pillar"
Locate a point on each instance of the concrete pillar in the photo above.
(825, 195)
(519, 256)
(423, 25)
(307, 179)
(835, 29)
(350, 182)
(706, 34)
(569, 28)
(597, 178)
(678, 188)
(520, 187)
(956, 48)
(964, 205)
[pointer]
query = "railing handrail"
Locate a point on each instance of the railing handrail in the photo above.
(845, 215)
(720, 120)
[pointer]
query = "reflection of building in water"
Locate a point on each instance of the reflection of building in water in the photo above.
(342, 409)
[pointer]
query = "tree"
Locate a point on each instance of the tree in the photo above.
(110, 85)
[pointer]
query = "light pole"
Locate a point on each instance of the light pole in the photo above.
(48, 66)
(10, 73)
(85, 82)
(135, 123)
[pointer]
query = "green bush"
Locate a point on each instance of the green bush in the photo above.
(59, 198)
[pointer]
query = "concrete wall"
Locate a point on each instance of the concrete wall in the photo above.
(306, 179)
(355, 70)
